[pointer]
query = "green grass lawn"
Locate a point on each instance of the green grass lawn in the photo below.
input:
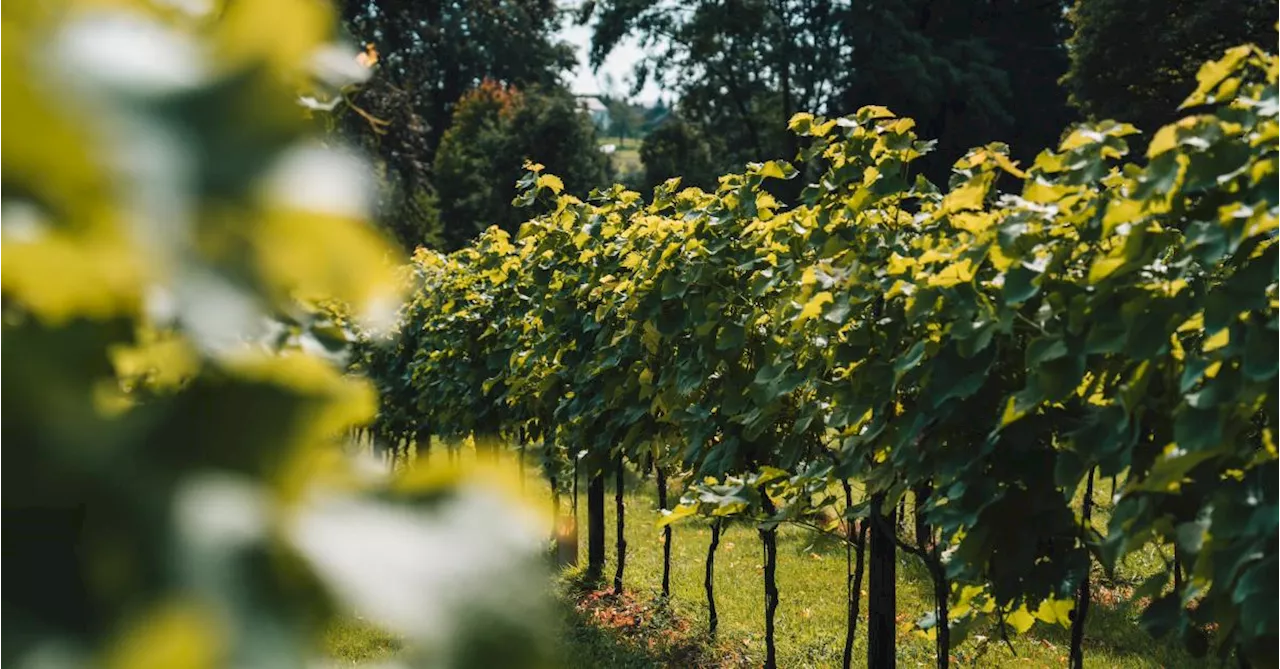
(628, 143)
(626, 158)
(351, 642)
(811, 613)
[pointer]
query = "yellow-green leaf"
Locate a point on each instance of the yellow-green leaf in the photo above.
(1165, 139)
(1055, 611)
(1218, 340)
(957, 272)
(676, 514)
(551, 181)
(1103, 267)
(813, 308)
(969, 195)
(1020, 620)
(1214, 72)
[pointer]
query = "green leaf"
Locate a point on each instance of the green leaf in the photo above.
(1019, 285)
(1197, 429)
(909, 360)
(770, 474)
(1043, 349)
(1103, 267)
(1171, 468)
(1261, 353)
(961, 271)
(1212, 73)
(1059, 377)
(773, 381)
(730, 337)
(671, 320)
(1161, 616)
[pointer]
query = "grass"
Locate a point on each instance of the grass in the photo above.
(628, 143)
(626, 158)
(811, 613)
(352, 642)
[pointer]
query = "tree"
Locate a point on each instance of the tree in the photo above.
(409, 211)
(1136, 60)
(969, 73)
(740, 67)
(429, 54)
(434, 52)
(626, 119)
(677, 148)
(495, 129)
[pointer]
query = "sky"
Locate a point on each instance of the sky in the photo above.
(618, 66)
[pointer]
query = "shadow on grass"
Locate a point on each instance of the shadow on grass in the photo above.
(601, 629)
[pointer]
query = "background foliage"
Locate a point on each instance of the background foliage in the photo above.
(495, 129)
(1137, 60)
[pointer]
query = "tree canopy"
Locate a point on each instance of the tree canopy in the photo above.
(429, 55)
(1135, 60)
(495, 129)
(969, 72)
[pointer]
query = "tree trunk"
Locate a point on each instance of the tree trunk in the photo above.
(769, 537)
(853, 575)
(942, 604)
(523, 437)
(709, 583)
(555, 499)
(620, 505)
(922, 530)
(882, 604)
(666, 533)
(595, 528)
(422, 446)
(1081, 612)
(930, 553)
(566, 530)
